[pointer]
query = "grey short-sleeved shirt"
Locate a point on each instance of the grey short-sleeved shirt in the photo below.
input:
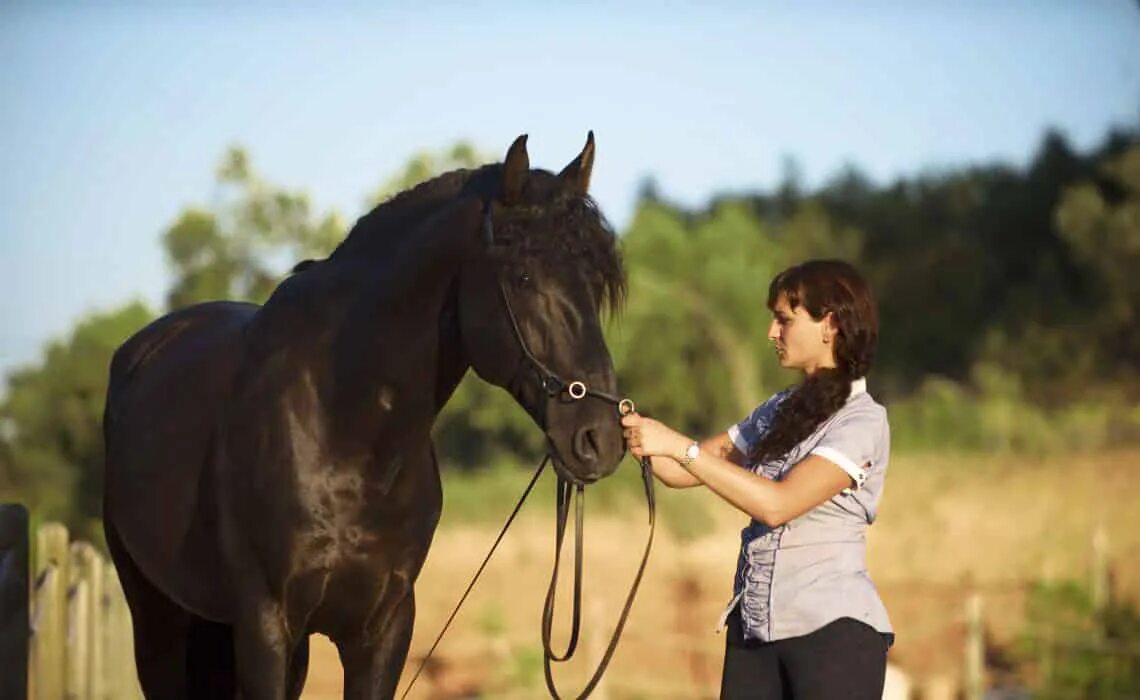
(795, 578)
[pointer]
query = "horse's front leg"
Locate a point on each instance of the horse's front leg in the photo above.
(373, 663)
(262, 650)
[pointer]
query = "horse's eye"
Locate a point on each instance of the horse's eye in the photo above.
(524, 279)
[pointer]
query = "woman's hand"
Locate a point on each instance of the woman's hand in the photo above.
(651, 438)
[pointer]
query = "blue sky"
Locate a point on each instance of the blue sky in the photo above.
(113, 116)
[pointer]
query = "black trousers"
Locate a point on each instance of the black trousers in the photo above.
(845, 659)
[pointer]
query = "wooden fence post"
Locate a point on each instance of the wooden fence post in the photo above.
(1100, 585)
(14, 587)
(84, 656)
(78, 638)
(95, 683)
(1046, 635)
(975, 648)
(119, 674)
(82, 641)
(49, 626)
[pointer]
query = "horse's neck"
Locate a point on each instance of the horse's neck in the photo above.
(452, 363)
(403, 326)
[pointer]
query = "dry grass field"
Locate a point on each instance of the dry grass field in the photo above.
(948, 526)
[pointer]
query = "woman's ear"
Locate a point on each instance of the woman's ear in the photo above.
(828, 328)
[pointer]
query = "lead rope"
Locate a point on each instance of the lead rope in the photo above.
(526, 492)
(562, 508)
(562, 495)
(548, 611)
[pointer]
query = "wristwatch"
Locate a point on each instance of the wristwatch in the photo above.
(691, 453)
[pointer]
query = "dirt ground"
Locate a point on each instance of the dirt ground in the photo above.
(948, 527)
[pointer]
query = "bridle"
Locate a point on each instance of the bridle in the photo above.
(577, 390)
(553, 385)
(550, 382)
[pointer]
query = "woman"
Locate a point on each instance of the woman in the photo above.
(805, 620)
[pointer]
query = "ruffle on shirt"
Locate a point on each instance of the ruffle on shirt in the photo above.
(759, 563)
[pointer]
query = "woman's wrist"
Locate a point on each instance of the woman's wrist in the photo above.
(678, 451)
(685, 454)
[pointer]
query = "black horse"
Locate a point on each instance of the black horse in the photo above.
(270, 471)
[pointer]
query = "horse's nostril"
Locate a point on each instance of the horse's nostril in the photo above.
(586, 445)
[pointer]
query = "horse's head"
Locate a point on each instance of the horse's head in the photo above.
(530, 301)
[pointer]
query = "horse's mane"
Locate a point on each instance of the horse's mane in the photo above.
(402, 211)
(552, 228)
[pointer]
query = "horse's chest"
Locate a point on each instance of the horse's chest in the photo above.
(358, 538)
(351, 573)
(348, 520)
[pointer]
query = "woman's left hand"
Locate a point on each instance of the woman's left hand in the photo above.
(647, 437)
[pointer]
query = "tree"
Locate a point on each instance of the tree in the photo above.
(239, 249)
(692, 345)
(51, 448)
(425, 165)
(1101, 224)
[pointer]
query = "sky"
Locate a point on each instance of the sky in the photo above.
(114, 115)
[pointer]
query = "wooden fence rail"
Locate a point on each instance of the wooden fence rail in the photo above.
(72, 637)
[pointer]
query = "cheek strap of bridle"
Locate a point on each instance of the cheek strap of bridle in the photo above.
(551, 383)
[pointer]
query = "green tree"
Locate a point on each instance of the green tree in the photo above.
(426, 164)
(692, 345)
(239, 248)
(1101, 223)
(51, 447)
(1081, 651)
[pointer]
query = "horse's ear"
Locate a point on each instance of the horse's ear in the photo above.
(577, 174)
(515, 169)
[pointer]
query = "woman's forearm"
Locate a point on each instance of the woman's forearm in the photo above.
(672, 474)
(756, 495)
(810, 482)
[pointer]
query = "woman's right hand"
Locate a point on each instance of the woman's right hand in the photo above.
(647, 437)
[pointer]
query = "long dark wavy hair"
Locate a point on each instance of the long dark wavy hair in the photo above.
(822, 287)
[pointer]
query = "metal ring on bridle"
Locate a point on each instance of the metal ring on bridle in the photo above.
(626, 407)
(577, 390)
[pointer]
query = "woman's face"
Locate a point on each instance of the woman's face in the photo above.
(801, 342)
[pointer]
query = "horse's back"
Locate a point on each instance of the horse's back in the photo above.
(168, 383)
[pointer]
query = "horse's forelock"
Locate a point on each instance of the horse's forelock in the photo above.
(570, 232)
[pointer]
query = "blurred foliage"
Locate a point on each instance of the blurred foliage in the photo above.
(51, 444)
(1007, 297)
(425, 165)
(1080, 651)
(486, 496)
(993, 413)
(525, 670)
(692, 347)
(239, 248)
